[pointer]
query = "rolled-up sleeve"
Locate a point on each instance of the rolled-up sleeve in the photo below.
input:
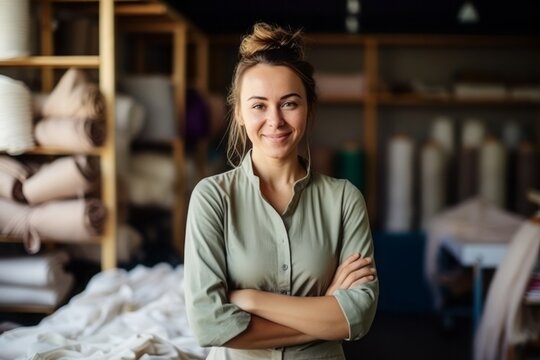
(212, 318)
(358, 304)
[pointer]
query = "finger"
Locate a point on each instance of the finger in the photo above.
(357, 275)
(362, 281)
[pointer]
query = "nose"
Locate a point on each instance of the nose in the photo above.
(275, 117)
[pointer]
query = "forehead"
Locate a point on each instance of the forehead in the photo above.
(270, 81)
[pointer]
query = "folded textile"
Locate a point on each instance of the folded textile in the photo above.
(340, 84)
(13, 218)
(63, 178)
(119, 313)
(69, 220)
(145, 191)
(506, 320)
(37, 270)
(50, 295)
(75, 97)
(154, 165)
(70, 134)
(15, 116)
(12, 174)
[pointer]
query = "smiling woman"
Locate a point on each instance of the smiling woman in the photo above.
(278, 258)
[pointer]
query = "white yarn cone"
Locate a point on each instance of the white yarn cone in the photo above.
(400, 184)
(472, 134)
(433, 182)
(442, 132)
(14, 28)
(15, 116)
(492, 176)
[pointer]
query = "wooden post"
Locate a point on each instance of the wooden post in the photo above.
(47, 45)
(370, 125)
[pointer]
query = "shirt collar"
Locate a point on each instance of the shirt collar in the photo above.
(247, 167)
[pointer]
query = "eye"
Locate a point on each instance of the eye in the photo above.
(289, 105)
(258, 106)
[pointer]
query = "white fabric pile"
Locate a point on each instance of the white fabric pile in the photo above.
(138, 314)
(15, 116)
(34, 280)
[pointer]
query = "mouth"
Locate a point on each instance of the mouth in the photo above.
(277, 137)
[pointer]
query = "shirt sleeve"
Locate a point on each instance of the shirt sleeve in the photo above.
(358, 304)
(212, 318)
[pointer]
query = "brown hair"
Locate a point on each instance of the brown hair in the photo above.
(271, 45)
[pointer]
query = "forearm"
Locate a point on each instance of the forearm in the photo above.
(320, 317)
(264, 334)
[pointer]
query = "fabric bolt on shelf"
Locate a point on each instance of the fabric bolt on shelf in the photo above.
(467, 180)
(13, 218)
(350, 164)
(148, 191)
(14, 28)
(442, 132)
(333, 84)
(400, 184)
(15, 116)
(154, 165)
(472, 133)
(472, 221)
(70, 134)
(512, 134)
(130, 117)
(75, 97)
(119, 314)
(34, 271)
(433, 170)
(506, 320)
(155, 94)
(65, 177)
(12, 175)
(492, 172)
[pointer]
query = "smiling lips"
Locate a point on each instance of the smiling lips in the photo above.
(277, 137)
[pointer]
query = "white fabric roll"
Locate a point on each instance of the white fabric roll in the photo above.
(492, 176)
(154, 165)
(14, 28)
(473, 133)
(433, 182)
(38, 270)
(400, 184)
(29, 295)
(11, 171)
(13, 218)
(129, 121)
(442, 132)
(155, 94)
(145, 191)
(15, 116)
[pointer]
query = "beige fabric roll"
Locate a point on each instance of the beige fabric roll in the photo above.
(13, 218)
(74, 96)
(433, 181)
(63, 178)
(12, 174)
(506, 320)
(70, 134)
(492, 175)
(69, 220)
(467, 180)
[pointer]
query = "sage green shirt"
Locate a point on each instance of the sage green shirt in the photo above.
(236, 240)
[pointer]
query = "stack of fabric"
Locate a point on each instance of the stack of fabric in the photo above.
(36, 280)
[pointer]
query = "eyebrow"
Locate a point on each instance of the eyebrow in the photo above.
(281, 98)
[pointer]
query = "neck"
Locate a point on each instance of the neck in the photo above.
(277, 172)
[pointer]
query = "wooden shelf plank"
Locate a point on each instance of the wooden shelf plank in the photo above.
(59, 151)
(53, 61)
(419, 100)
(15, 240)
(341, 99)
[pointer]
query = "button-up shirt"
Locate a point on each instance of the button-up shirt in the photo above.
(236, 240)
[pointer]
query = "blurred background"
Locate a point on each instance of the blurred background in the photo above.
(430, 108)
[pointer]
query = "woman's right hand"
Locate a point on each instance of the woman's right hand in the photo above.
(355, 270)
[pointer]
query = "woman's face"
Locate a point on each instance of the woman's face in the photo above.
(274, 110)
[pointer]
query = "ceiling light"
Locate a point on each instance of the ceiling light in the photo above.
(467, 13)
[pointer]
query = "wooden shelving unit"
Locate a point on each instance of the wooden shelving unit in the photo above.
(105, 63)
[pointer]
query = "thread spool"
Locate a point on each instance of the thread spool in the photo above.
(400, 184)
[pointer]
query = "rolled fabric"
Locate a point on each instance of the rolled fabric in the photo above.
(69, 220)
(400, 184)
(433, 182)
(442, 132)
(527, 177)
(492, 176)
(146, 191)
(467, 180)
(15, 116)
(70, 134)
(351, 165)
(473, 133)
(14, 28)
(14, 222)
(63, 178)
(75, 97)
(37, 270)
(12, 174)
(47, 296)
(153, 166)
(129, 121)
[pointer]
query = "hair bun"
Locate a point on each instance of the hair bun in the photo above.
(267, 37)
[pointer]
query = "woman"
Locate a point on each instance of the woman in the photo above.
(264, 240)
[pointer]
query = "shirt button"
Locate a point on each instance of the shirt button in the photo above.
(284, 267)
